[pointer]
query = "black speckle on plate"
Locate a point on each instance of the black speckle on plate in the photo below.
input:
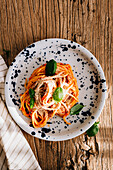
(33, 133)
(92, 117)
(46, 130)
(43, 135)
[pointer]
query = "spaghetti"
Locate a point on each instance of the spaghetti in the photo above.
(45, 107)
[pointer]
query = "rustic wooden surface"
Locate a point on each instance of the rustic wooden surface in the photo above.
(88, 22)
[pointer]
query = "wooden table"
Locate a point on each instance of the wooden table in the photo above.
(88, 22)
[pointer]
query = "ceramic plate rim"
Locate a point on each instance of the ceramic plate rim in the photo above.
(86, 126)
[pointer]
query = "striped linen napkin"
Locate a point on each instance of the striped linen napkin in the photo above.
(15, 152)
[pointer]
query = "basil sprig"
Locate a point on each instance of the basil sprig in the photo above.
(76, 109)
(32, 103)
(93, 130)
(32, 95)
(51, 67)
(58, 94)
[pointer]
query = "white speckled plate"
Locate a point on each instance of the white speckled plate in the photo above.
(90, 79)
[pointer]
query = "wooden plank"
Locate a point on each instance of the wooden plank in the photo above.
(88, 22)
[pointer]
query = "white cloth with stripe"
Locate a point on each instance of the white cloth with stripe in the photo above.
(15, 152)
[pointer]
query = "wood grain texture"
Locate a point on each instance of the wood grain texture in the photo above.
(88, 22)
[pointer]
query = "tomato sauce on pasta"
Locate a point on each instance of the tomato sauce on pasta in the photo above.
(45, 107)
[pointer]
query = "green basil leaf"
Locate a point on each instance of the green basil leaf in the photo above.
(76, 109)
(58, 94)
(32, 103)
(93, 130)
(96, 123)
(31, 93)
(51, 67)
